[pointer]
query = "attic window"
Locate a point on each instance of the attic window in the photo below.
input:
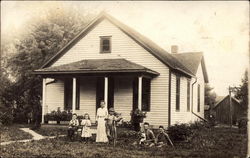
(105, 44)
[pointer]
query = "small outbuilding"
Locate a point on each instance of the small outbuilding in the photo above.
(222, 110)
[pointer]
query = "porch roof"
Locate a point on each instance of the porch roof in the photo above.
(96, 66)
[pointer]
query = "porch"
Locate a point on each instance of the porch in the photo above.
(80, 87)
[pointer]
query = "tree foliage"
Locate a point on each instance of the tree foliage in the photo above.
(242, 92)
(45, 37)
(210, 95)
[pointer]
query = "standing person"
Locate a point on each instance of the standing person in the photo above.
(102, 114)
(86, 123)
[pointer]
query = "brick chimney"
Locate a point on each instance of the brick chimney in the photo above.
(174, 49)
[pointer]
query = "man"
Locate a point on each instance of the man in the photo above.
(162, 138)
(150, 137)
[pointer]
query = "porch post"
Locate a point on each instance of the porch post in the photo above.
(74, 96)
(140, 92)
(43, 99)
(106, 91)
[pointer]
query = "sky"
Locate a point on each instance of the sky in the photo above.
(219, 29)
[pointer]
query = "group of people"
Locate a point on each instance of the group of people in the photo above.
(148, 138)
(106, 121)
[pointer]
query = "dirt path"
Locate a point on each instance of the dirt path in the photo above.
(35, 135)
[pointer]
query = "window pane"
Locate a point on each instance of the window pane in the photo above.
(77, 95)
(68, 94)
(188, 95)
(146, 94)
(105, 42)
(105, 48)
(198, 102)
(177, 93)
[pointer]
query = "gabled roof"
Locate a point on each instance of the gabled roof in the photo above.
(219, 99)
(192, 60)
(96, 66)
(147, 44)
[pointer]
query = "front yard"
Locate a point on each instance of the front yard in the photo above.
(209, 143)
(13, 133)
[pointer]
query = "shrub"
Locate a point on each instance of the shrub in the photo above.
(128, 134)
(126, 124)
(19, 117)
(180, 132)
(58, 116)
(199, 125)
(6, 118)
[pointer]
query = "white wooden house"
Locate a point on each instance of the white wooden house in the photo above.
(110, 61)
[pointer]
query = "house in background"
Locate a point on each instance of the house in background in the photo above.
(222, 110)
(110, 61)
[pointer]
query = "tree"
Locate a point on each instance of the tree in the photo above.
(210, 96)
(47, 36)
(242, 92)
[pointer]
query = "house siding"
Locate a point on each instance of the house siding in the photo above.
(125, 47)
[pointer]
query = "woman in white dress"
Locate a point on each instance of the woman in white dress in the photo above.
(101, 115)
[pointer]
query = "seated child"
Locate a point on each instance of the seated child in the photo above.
(142, 138)
(73, 124)
(111, 122)
(162, 138)
(149, 140)
(86, 123)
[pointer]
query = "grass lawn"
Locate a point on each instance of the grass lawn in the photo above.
(10, 133)
(212, 143)
(52, 130)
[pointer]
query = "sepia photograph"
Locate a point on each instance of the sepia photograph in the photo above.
(124, 79)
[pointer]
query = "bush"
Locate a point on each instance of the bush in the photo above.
(180, 132)
(58, 116)
(19, 117)
(128, 134)
(126, 124)
(6, 118)
(198, 125)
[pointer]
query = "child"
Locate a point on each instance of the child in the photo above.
(162, 138)
(142, 138)
(86, 123)
(111, 122)
(73, 124)
(150, 137)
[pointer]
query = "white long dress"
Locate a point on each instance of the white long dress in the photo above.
(101, 135)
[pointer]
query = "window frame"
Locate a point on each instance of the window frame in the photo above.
(102, 38)
(177, 93)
